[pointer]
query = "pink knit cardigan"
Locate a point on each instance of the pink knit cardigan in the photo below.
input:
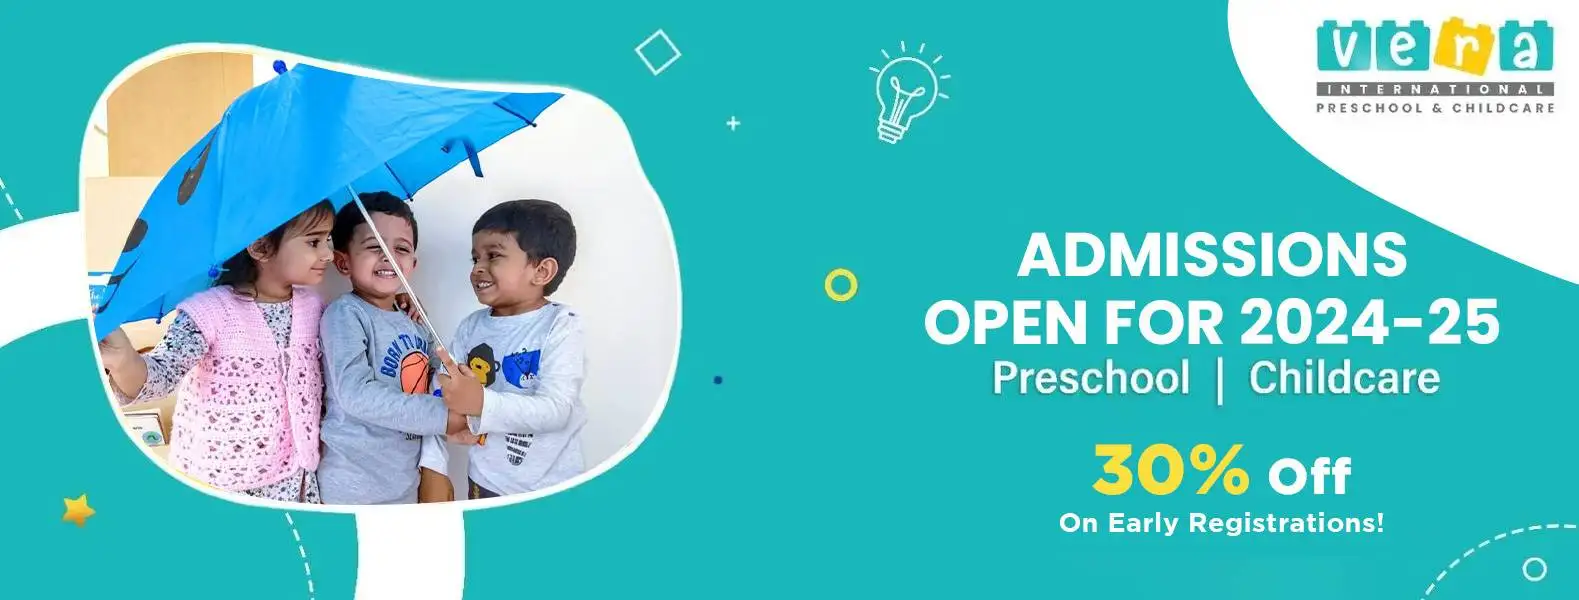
(248, 413)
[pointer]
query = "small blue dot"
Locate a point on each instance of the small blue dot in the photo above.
(718, 379)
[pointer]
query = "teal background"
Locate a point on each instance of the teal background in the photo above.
(845, 454)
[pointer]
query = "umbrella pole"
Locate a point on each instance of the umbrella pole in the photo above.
(379, 237)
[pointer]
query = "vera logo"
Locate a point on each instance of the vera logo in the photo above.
(1398, 46)
(1394, 58)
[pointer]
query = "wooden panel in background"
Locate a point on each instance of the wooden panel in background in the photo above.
(109, 207)
(160, 112)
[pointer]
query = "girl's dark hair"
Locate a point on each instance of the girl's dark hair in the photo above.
(241, 269)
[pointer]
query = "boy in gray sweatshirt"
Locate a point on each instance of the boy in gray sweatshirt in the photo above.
(382, 428)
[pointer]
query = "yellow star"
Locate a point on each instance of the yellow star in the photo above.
(78, 511)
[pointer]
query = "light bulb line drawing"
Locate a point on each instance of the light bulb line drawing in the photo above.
(907, 87)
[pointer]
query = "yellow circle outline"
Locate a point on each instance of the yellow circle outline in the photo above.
(827, 284)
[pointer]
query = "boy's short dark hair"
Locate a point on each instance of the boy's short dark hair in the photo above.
(376, 202)
(543, 229)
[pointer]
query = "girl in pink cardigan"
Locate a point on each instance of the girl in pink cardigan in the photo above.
(245, 356)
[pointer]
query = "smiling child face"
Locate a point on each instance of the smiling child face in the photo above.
(370, 272)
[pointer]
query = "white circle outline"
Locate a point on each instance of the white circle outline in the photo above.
(1526, 568)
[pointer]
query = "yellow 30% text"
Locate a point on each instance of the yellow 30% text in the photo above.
(1119, 477)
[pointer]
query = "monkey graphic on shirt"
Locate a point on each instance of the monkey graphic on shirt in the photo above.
(518, 370)
(483, 366)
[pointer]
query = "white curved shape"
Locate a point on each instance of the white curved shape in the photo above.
(413, 550)
(623, 155)
(1504, 182)
(410, 553)
(42, 254)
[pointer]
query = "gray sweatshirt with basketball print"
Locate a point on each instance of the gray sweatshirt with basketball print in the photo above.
(380, 420)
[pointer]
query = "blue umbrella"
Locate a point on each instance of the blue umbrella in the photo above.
(307, 135)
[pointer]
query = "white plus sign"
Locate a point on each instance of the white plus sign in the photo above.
(732, 123)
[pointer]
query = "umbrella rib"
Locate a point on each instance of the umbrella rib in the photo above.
(366, 146)
(430, 102)
(529, 122)
(398, 182)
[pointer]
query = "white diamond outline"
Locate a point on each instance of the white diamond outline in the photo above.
(661, 68)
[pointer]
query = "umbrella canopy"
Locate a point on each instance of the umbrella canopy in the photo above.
(307, 135)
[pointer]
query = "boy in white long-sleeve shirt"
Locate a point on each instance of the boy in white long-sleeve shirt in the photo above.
(524, 353)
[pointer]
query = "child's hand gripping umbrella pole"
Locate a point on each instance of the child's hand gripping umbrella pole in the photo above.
(464, 395)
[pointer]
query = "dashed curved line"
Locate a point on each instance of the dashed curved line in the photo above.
(307, 566)
(14, 210)
(1487, 542)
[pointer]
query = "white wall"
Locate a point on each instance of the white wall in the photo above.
(624, 280)
(263, 67)
(96, 145)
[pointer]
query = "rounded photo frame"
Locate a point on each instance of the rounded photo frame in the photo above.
(607, 191)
